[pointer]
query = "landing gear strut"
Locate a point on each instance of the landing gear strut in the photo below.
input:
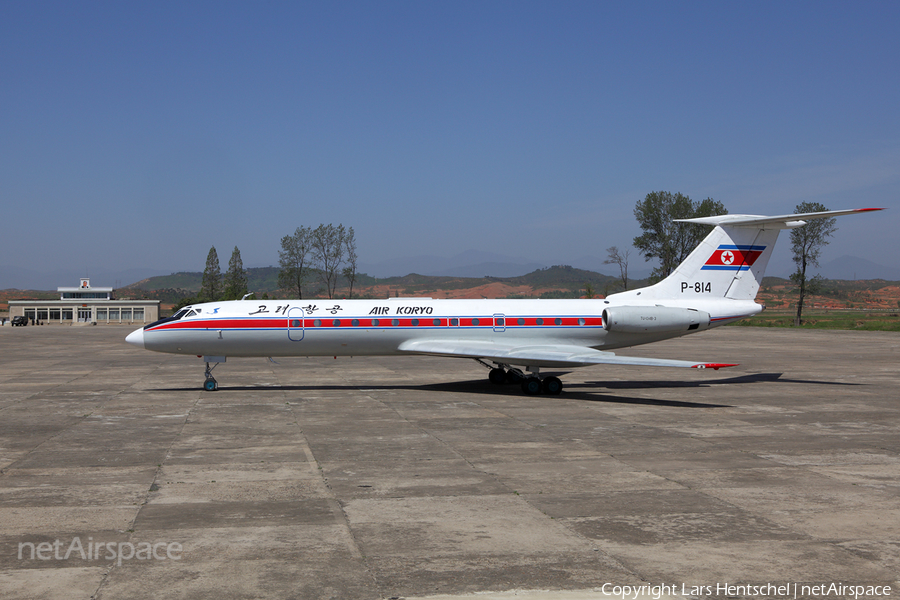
(210, 385)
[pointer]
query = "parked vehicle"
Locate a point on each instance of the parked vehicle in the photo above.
(19, 321)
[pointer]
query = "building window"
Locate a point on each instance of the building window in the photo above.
(126, 314)
(54, 314)
(29, 313)
(42, 314)
(101, 314)
(114, 314)
(67, 314)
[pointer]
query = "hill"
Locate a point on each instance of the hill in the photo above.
(551, 282)
(557, 281)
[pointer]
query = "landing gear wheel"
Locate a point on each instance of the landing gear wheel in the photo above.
(497, 376)
(210, 385)
(552, 386)
(531, 386)
(513, 377)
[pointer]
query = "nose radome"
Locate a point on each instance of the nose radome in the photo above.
(136, 338)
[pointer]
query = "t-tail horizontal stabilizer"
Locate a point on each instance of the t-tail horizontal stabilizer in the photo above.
(781, 222)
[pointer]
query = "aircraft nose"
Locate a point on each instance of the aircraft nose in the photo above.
(136, 338)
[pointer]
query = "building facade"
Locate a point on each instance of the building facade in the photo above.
(86, 304)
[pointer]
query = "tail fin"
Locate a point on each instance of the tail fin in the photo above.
(731, 261)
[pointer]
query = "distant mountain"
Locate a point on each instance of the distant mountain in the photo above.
(472, 263)
(852, 268)
(23, 278)
(258, 278)
(638, 268)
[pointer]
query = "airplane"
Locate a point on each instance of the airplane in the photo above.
(715, 285)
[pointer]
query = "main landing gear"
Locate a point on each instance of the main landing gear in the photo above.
(532, 384)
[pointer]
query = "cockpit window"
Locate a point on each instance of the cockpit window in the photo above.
(184, 312)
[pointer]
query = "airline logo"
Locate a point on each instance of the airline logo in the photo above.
(733, 258)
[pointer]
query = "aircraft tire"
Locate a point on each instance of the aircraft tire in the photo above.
(210, 385)
(531, 386)
(497, 376)
(513, 377)
(552, 386)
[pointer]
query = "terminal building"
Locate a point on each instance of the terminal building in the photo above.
(85, 304)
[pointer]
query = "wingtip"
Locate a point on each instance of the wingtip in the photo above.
(714, 366)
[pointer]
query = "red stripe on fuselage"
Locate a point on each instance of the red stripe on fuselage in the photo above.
(382, 323)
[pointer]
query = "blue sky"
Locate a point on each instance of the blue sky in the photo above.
(140, 134)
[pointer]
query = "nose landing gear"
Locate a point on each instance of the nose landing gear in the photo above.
(210, 384)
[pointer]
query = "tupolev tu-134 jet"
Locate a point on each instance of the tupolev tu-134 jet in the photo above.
(716, 284)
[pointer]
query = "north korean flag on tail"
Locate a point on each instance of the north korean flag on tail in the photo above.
(732, 258)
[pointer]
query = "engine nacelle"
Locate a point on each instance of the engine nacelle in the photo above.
(653, 319)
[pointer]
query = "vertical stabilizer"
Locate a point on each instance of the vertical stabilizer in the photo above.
(731, 261)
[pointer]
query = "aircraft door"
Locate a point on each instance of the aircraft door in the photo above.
(295, 324)
(499, 322)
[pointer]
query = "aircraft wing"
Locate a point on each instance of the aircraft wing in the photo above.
(543, 355)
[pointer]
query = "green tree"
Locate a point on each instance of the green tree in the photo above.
(211, 286)
(617, 257)
(327, 245)
(235, 277)
(293, 258)
(350, 271)
(666, 240)
(807, 243)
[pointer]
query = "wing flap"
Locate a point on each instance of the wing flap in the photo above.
(543, 355)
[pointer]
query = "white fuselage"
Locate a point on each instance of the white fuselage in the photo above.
(380, 327)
